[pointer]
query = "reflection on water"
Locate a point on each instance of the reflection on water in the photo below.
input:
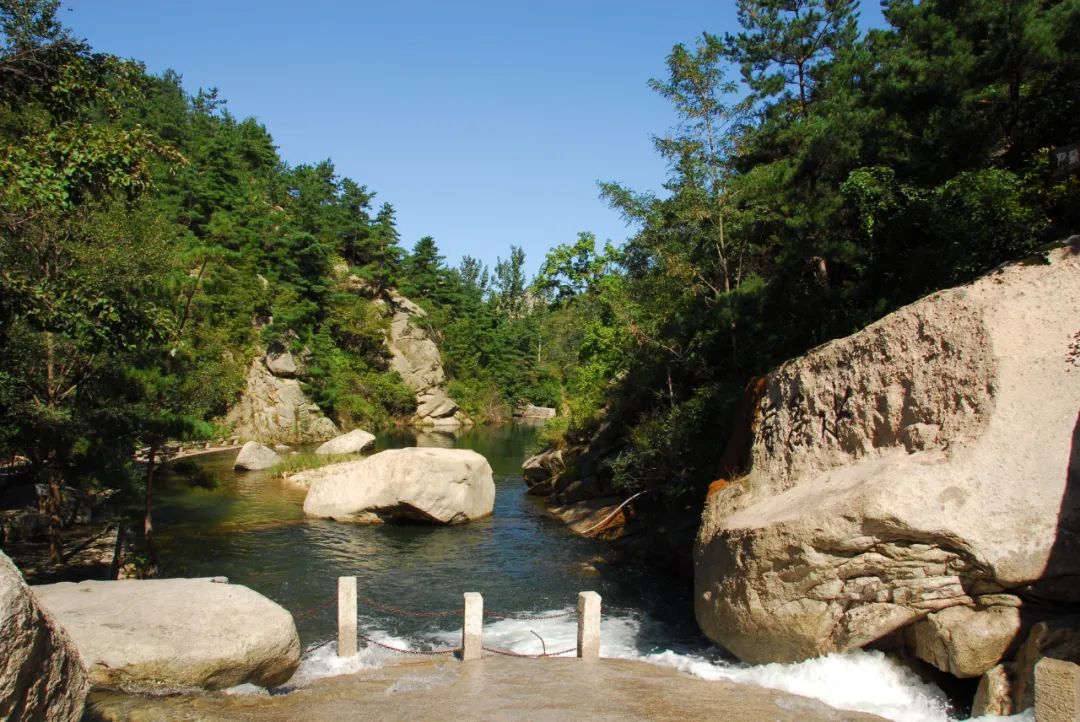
(251, 528)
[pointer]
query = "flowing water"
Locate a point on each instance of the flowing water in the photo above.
(250, 527)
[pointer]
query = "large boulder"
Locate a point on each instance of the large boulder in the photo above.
(275, 409)
(928, 462)
(439, 486)
(541, 470)
(41, 674)
(165, 634)
(353, 442)
(254, 456)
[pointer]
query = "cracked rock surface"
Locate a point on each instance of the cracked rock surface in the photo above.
(926, 463)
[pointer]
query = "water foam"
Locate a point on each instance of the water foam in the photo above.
(863, 681)
(320, 660)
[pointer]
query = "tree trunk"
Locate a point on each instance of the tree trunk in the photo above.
(56, 552)
(148, 515)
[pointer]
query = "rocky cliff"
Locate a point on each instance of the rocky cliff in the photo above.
(414, 354)
(274, 408)
(914, 484)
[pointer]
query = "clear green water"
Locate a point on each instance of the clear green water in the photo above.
(251, 528)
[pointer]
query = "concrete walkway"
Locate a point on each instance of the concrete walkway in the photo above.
(494, 688)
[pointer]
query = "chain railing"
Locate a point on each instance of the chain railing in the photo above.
(588, 614)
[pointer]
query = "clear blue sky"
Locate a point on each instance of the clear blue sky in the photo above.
(485, 123)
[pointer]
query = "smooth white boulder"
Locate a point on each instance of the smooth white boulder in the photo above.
(41, 674)
(254, 456)
(165, 634)
(353, 442)
(439, 486)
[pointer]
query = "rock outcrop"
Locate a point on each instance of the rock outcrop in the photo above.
(528, 411)
(173, 634)
(921, 473)
(415, 356)
(353, 442)
(254, 456)
(541, 471)
(41, 674)
(274, 408)
(430, 485)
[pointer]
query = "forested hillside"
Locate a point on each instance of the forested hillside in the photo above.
(819, 178)
(153, 244)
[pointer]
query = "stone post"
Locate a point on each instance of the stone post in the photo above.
(588, 625)
(1057, 691)
(346, 616)
(472, 630)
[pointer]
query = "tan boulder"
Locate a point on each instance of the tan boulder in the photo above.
(41, 674)
(915, 466)
(433, 485)
(171, 634)
(1057, 691)
(993, 695)
(353, 442)
(254, 456)
(966, 642)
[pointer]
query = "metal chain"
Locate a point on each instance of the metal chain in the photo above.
(510, 653)
(525, 615)
(429, 652)
(314, 610)
(406, 612)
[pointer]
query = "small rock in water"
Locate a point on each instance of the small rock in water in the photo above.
(254, 456)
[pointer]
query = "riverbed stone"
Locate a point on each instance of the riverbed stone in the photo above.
(964, 641)
(993, 697)
(1058, 638)
(541, 470)
(353, 442)
(1057, 691)
(175, 634)
(431, 485)
(254, 456)
(42, 676)
(929, 460)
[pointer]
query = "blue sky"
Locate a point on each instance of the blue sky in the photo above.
(484, 123)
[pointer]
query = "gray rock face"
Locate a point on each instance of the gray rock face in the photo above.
(415, 356)
(254, 456)
(919, 465)
(535, 412)
(353, 442)
(164, 634)
(276, 409)
(435, 405)
(281, 364)
(439, 486)
(42, 677)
